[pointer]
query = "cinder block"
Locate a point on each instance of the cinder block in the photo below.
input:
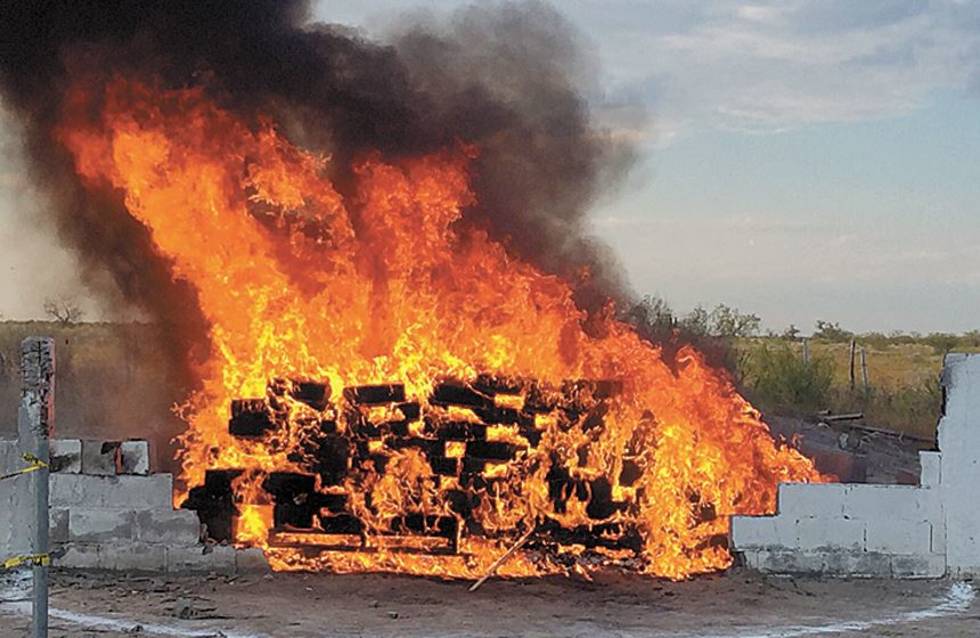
(762, 532)
(100, 458)
(201, 558)
(87, 525)
(930, 468)
(9, 456)
(142, 557)
(857, 564)
(892, 536)
(890, 502)
(836, 563)
(175, 527)
(113, 492)
(938, 538)
(751, 558)
(134, 457)
(17, 513)
(251, 561)
(829, 533)
(58, 525)
(78, 556)
(785, 562)
(804, 500)
(66, 456)
(919, 566)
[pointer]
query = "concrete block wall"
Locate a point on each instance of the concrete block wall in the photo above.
(924, 531)
(849, 530)
(107, 511)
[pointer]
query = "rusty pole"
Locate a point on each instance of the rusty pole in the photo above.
(35, 422)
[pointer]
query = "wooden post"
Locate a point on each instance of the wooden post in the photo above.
(853, 350)
(864, 369)
(806, 351)
(35, 422)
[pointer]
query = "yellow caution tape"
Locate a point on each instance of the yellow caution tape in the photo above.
(28, 559)
(35, 465)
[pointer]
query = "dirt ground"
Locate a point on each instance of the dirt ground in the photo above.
(735, 604)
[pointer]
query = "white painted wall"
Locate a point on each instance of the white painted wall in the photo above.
(959, 440)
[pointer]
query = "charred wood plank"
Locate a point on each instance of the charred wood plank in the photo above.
(340, 524)
(294, 498)
(375, 394)
(250, 418)
(492, 450)
(459, 394)
(312, 393)
(214, 503)
(457, 430)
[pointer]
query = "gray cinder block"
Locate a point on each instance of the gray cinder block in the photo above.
(142, 557)
(77, 556)
(134, 457)
(87, 525)
(100, 458)
(58, 525)
(112, 492)
(251, 561)
(919, 566)
(201, 558)
(66, 456)
(174, 527)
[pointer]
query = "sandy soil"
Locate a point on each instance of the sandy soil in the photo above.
(307, 605)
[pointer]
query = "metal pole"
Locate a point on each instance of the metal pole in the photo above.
(34, 424)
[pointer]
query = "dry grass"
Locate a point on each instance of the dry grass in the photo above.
(903, 380)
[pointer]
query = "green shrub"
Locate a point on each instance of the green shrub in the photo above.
(942, 342)
(831, 331)
(778, 379)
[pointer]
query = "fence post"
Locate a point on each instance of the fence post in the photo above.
(35, 422)
(864, 369)
(851, 357)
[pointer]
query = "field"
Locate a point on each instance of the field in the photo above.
(902, 394)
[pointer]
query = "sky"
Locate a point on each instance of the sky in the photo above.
(801, 160)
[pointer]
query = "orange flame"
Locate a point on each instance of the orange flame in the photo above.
(384, 286)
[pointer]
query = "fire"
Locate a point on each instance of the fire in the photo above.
(385, 285)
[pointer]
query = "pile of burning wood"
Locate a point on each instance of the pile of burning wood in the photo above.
(467, 445)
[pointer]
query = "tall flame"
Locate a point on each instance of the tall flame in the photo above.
(384, 285)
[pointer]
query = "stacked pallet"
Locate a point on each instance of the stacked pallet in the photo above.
(473, 436)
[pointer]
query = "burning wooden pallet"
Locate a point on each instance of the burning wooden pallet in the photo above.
(475, 438)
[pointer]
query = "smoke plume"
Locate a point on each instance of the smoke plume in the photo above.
(509, 78)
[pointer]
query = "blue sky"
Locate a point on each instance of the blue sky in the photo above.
(803, 160)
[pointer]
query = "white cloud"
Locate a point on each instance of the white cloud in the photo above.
(761, 66)
(773, 66)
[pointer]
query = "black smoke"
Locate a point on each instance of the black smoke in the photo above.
(508, 77)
